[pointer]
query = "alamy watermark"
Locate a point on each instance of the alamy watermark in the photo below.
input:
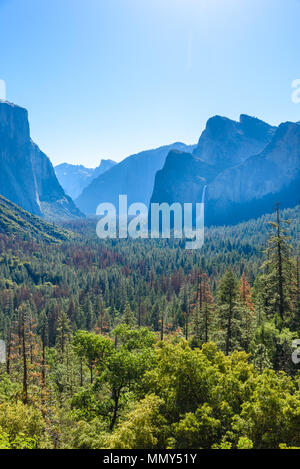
(163, 221)
(2, 90)
(2, 351)
(296, 93)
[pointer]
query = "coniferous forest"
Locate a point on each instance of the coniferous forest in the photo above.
(149, 229)
(140, 344)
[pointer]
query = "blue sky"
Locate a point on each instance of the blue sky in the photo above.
(108, 78)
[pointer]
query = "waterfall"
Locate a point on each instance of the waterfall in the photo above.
(198, 232)
(203, 194)
(202, 209)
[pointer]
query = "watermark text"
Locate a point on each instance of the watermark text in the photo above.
(296, 92)
(164, 221)
(2, 90)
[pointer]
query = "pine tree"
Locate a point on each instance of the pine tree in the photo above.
(23, 332)
(63, 332)
(229, 311)
(43, 332)
(185, 296)
(278, 269)
(128, 316)
(203, 309)
(100, 313)
(245, 292)
(163, 317)
(247, 313)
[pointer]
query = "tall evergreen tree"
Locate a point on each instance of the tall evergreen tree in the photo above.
(203, 309)
(279, 271)
(229, 311)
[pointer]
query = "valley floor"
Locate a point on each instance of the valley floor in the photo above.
(143, 344)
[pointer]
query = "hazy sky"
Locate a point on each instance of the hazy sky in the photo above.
(108, 78)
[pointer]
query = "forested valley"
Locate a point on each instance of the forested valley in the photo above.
(131, 344)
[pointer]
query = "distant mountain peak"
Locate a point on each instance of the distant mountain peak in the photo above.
(226, 142)
(104, 160)
(133, 176)
(285, 129)
(12, 105)
(218, 125)
(75, 178)
(247, 166)
(246, 118)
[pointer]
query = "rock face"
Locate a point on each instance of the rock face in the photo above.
(182, 179)
(27, 177)
(223, 144)
(226, 143)
(247, 166)
(262, 180)
(104, 166)
(133, 177)
(75, 178)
